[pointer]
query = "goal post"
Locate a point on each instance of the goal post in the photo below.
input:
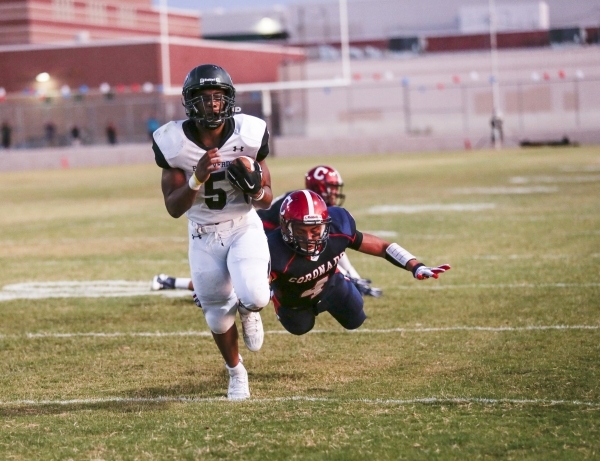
(266, 87)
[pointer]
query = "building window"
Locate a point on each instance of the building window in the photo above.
(63, 9)
(127, 16)
(96, 12)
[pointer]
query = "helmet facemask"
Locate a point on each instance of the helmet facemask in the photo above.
(200, 107)
(296, 234)
(333, 194)
(326, 182)
(304, 222)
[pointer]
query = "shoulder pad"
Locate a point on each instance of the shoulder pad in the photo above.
(342, 219)
(252, 129)
(170, 138)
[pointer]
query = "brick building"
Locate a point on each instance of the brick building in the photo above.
(47, 21)
(92, 63)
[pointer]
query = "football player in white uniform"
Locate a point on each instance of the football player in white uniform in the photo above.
(203, 178)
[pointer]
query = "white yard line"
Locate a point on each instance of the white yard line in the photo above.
(554, 179)
(580, 169)
(85, 289)
(523, 256)
(382, 233)
(117, 334)
(409, 209)
(423, 286)
(465, 328)
(166, 334)
(503, 190)
(122, 288)
(424, 400)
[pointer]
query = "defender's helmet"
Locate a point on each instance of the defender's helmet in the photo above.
(300, 213)
(327, 182)
(200, 107)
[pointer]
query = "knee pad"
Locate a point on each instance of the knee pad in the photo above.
(218, 320)
(354, 323)
(297, 326)
(255, 299)
(297, 330)
(242, 308)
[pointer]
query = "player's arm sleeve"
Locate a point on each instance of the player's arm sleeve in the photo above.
(264, 147)
(159, 158)
(357, 242)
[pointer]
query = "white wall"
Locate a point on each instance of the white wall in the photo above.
(532, 15)
(444, 99)
(318, 21)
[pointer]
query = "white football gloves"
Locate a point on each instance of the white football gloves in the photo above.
(422, 272)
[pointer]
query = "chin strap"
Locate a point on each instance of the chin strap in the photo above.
(211, 125)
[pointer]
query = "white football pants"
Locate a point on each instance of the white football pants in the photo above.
(228, 262)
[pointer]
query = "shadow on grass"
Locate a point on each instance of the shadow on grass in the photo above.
(212, 386)
(276, 376)
(57, 409)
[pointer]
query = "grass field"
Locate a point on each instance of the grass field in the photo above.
(498, 359)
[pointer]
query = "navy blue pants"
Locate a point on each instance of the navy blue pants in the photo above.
(340, 298)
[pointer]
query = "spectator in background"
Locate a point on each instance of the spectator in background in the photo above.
(497, 130)
(6, 134)
(75, 136)
(50, 134)
(111, 133)
(152, 124)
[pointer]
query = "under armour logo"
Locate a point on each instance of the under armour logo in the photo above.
(235, 148)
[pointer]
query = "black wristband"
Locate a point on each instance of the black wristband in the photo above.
(393, 261)
(414, 269)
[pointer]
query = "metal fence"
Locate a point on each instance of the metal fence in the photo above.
(43, 122)
(529, 108)
(363, 109)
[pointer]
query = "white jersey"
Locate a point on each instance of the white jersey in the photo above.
(217, 200)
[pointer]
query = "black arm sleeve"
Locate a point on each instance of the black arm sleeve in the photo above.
(358, 238)
(264, 147)
(159, 158)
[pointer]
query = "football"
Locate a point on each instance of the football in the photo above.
(244, 173)
(248, 162)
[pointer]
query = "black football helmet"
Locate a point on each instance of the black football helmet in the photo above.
(200, 107)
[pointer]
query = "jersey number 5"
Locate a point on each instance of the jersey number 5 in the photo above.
(215, 198)
(318, 288)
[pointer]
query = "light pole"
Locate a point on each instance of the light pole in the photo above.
(345, 40)
(164, 46)
(496, 122)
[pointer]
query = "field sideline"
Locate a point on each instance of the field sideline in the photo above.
(498, 359)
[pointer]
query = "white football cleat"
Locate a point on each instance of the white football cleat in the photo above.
(252, 329)
(238, 383)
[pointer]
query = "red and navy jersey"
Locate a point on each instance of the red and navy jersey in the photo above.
(270, 216)
(299, 281)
